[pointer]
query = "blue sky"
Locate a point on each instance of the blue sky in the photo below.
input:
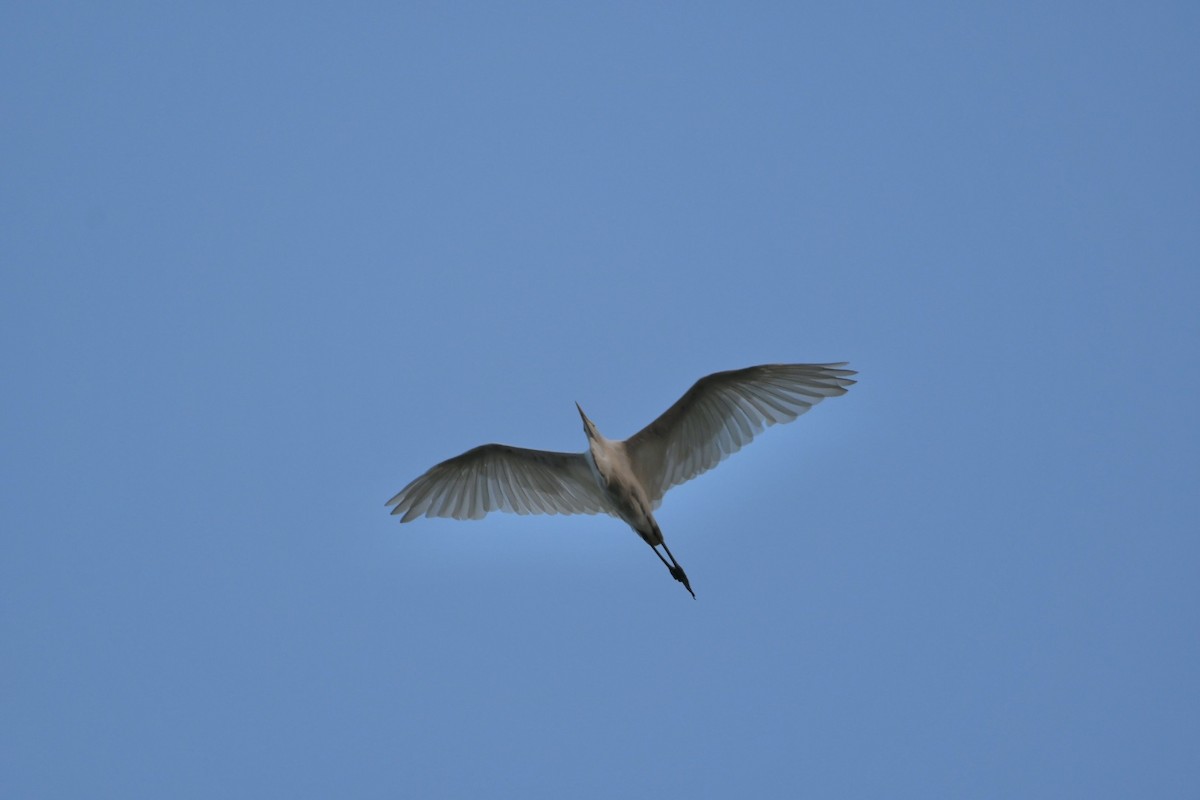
(262, 266)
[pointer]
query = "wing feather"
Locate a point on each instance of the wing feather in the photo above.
(497, 477)
(722, 413)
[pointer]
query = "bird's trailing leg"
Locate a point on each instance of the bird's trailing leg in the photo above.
(673, 566)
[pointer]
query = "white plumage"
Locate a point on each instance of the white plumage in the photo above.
(719, 415)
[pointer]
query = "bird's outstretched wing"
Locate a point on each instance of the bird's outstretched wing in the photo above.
(496, 477)
(721, 413)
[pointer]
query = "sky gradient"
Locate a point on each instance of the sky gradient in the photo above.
(263, 266)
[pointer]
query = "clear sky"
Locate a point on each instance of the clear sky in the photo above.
(264, 264)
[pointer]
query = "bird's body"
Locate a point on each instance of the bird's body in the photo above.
(614, 475)
(613, 471)
(626, 479)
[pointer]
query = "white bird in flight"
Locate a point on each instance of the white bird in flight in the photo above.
(626, 479)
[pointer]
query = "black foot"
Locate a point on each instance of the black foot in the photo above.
(678, 574)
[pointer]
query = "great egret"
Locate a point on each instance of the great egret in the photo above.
(627, 479)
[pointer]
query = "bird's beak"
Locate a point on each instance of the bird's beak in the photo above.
(587, 423)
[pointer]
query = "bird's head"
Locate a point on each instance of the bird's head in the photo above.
(589, 427)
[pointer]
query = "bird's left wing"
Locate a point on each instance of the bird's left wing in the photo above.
(497, 477)
(721, 413)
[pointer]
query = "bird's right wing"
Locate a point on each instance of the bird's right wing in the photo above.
(721, 413)
(497, 477)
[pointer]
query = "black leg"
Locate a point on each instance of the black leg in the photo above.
(676, 571)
